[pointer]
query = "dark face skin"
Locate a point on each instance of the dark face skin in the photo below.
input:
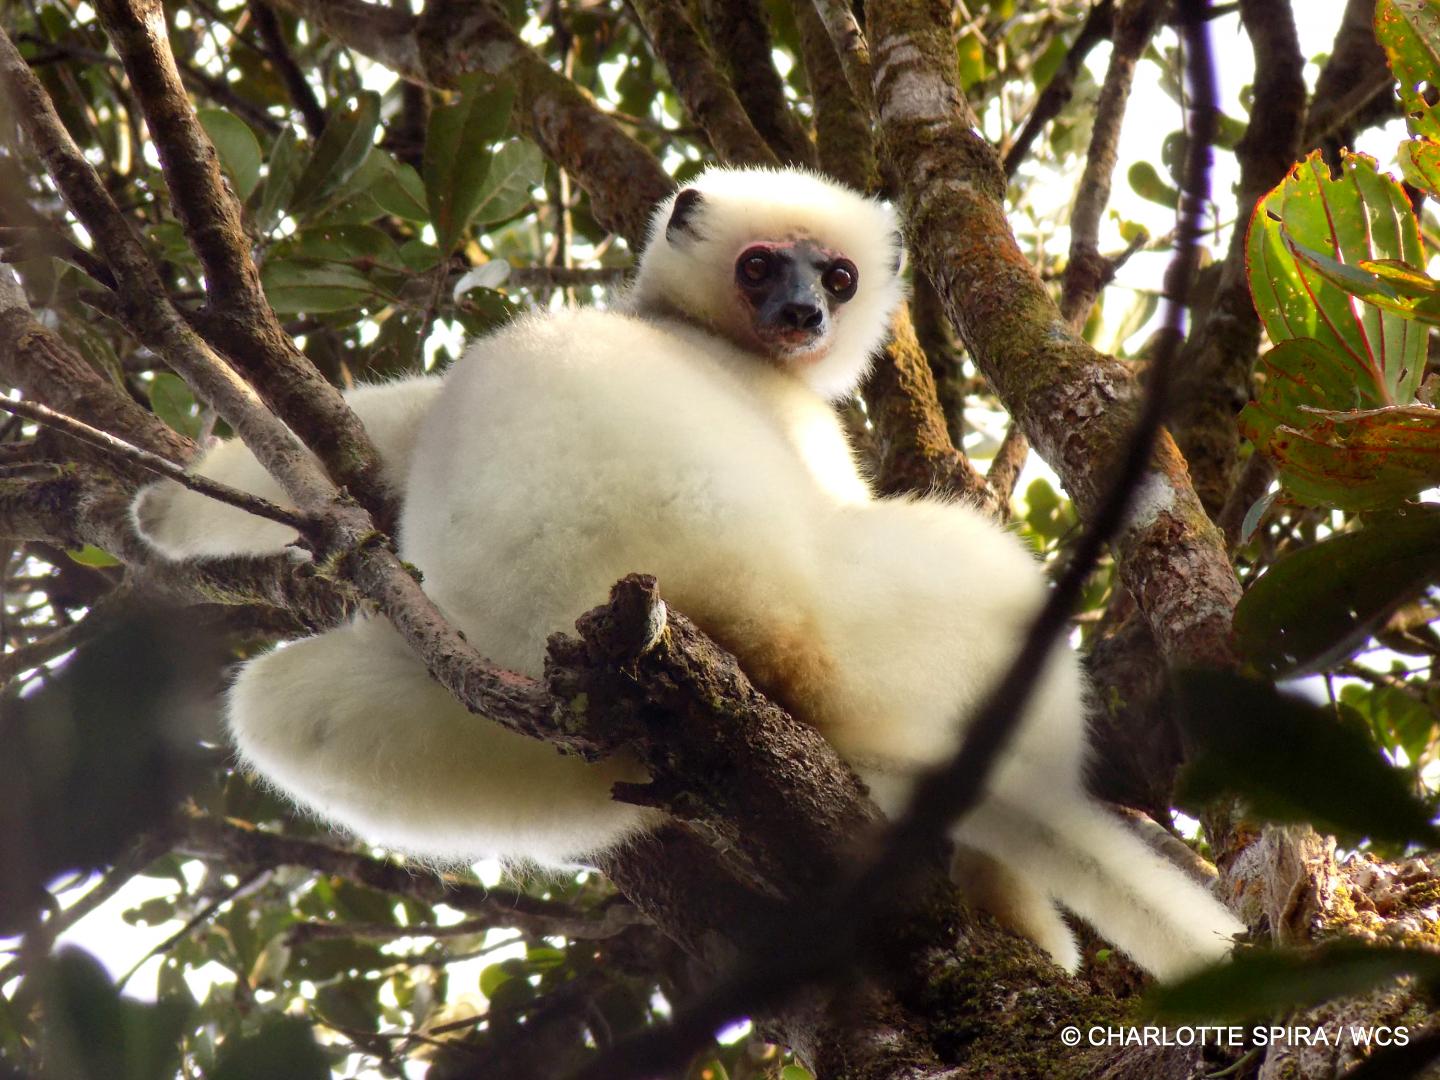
(791, 291)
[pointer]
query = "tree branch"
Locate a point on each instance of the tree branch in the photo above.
(849, 42)
(844, 140)
(236, 844)
(40, 363)
(1219, 358)
(1087, 271)
(1007, 464)
(915, 451)
(1075, 405)
(238, 316)
(1351, 80)
(340, 532)
(1058, 91)
(740, 33)
(78, 507)
(707, 93)
(451, 39)
(302, 94)
(119, 449)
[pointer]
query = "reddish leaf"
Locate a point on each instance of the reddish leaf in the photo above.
(1409, 32)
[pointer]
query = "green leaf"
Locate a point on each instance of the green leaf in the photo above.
(237, 147)
(1420, 163)
(173, 402)
(1300, 375)
(347, 141)
(284, 1046)
(1261, 982)
(272, 198)
(1374, 459)
(1363, 215)
(1315, 607)
(1292, 761)
(90, 555)
(518, 166)
(293, 286)
(481, 310)
(457, 155)
(400, 191)
(970, 59)
(1398, 718)
(1409, 32)
(1387, 283)
(91, 1032)
(1148, 185)
(496, 976)
(419, 256)
(1334, 409)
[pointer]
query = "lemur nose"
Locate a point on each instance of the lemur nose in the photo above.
(802, 316)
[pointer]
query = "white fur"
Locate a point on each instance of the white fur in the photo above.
(570, 449)
(184, 524)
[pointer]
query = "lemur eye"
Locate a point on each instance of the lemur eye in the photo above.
(755, 266)
(841, 279)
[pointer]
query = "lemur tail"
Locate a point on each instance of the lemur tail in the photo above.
(1094, 865)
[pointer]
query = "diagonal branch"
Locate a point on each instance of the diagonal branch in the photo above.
(1087, 271)
(79, 507)
(740, 33)
(1074, 404)
(1058, 91)
(1353, 80)
(119, 449)
(854, 51)
(302, 94)
(844, 137)
(337, 529)
(38, 361)
(707, 93)
(239, 318)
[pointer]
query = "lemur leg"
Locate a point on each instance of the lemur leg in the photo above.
(1076, 852)
(987, 880)
(1016, 903)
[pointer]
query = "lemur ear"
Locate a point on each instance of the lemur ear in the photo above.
(682, 216)
(897, 262)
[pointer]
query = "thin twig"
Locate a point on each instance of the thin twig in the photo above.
(203, 915)
(1057, 92)
(1088, 271)
(302, 94)
(33, 654)
(117, 447)
(1008, 463)
(21, 242)
(610, 919)
(854, 51)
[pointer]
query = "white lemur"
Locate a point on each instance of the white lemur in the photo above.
(689, 434)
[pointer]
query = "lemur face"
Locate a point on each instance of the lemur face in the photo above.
(791, 290)
(793, 269)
